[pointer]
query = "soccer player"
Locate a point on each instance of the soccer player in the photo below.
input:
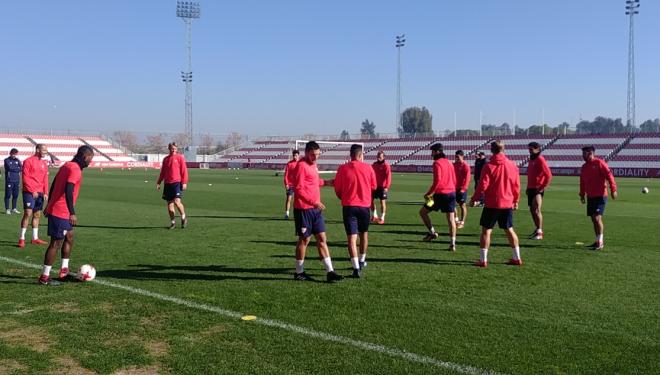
(354, 183)
(593, 176)
(61, 213)
(35, 193)
(443, 193)
(308, 213)
(538, 179)
(462, 170)
(383, 182)
(13, 168)
(500, 184)
(175, 174)
(479, 163)
(288, 180)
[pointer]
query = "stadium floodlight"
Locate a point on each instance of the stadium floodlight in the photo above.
(187, 11)
(400, 42)
(631, 10)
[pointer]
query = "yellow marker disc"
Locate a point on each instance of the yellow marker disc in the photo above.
(579, 243)
(249, 317)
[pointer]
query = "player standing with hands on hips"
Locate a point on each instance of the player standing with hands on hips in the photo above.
(175, 174)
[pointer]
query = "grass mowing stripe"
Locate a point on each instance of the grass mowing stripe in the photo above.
(412, 357)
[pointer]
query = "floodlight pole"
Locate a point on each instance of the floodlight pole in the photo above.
(400, 42)
(631, 10)
(187, 11)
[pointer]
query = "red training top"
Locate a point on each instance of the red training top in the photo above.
(173, 170)
(500, 182)
(538, 173)
(70, 172)
(444, 177)
(462, 171)
(593, 176)
(354, 183)
(288, 173)
(383, 174)
(35, 175)
(306, 183)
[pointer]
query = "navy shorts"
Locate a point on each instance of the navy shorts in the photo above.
(58, 227)
(596, 205)
(443, 203)
(501, 216)
(289, 191)
(379, 193)
(30, 203)
(531, 195)
(356, 219)
(461, 197)
(172, 191)
(308, 222)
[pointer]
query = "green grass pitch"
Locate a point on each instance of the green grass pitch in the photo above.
(567, 310)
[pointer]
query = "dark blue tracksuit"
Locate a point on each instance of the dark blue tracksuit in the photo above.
(12, 180)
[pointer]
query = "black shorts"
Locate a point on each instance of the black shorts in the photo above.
(356, 219)
(379, 193)
(58, 227)
(32, 203)
(172, 191)
(531, 195)
(461, 196)
(289, 191)
(443, 203)
(501, 216)
(308, 222)
(596, 205)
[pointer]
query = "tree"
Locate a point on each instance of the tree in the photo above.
(126, 139)
(650, 126)
(234, 139)
(207, 144)
(416, 121)
(563, 128)
(344, 136)
(181, 140)
(368, 129)
(156, 144)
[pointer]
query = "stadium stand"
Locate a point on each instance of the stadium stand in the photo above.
(643, 151)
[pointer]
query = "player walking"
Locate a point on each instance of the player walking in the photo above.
(61, 212)
(538, 179)
(35, 193)
(443, 194)
(593, 176)
(13, 168)
(383, 181)
(308, 213)
(288, 181)
(354, 183)
(500, 184)
(175, 174)
(462, 170)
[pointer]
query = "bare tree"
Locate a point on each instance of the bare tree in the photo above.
(181, 140)
(207, 144)
(126, 139)
(234, 139)
(157, 143)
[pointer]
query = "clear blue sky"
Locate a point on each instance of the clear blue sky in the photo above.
(295, 66)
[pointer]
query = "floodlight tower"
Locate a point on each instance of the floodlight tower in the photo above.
(631, 10)
(187, 11)
(400, 42)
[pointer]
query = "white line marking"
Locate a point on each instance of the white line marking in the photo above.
(412, 357)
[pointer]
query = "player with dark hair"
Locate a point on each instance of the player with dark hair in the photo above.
(61, 212)
(462, 170)
(383, 181)
(13, 168)
(500, 184)
(35, 193)
(354, 183)
(308, 213)
(175, 174)
(288, 181)
(538, 179)
(479, 163)
(593, 178)
(441, 195)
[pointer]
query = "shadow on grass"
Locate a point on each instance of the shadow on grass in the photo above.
(341, 259)
(421, 233)
(331, 244)
(120, 227)
(204, 273)
(256, 218)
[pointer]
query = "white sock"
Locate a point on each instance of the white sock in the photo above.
(327, 262)
(355, 263)
(599, 238)
(300, 268)
(484, 255)
(432, 230)
(453, 241)
(376, 214)
(35, 233)
(287, 213)
(23, 230)
(46, 270)
(539, 231)
(65, 263)
(363, 257)
(173, 221)
(183, 217)
(382, 216)
(516, 253)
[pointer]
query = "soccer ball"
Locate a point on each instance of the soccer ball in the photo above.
(645, 190)
(86, 272)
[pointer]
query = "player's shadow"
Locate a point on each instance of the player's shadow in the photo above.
(312, 244)
(119, 227)
(190, 272)
(255, 218)
(12, 279)
(447, 262)
(422, 233)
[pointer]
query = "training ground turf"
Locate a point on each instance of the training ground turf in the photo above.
(171, 301)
